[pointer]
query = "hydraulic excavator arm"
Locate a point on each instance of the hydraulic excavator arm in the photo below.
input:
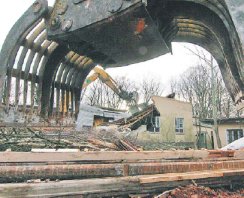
(104, 77)
(129, 97)
(89, 80)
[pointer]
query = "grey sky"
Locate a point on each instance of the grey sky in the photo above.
(162, 68)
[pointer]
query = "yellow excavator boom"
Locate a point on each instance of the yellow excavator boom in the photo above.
(104, 77)
(99, 72)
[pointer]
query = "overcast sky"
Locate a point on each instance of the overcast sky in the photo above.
(163, 68)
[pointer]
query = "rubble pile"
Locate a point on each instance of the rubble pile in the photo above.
(26, 139)
(193, 191)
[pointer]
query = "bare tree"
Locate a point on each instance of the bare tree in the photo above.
(99, 94)
(196, 85)
(91, 95)
(173, 85)
(150, 87)
(203, 86)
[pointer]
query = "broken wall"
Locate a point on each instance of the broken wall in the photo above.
(169, 110)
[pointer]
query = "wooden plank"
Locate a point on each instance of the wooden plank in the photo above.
(190, 176)
(179, 177)
(220, 153)
(105, 187)
(62, 172)
(54, 150)
(234, 172)
(22, 157)
(171, 171)
(74, 188)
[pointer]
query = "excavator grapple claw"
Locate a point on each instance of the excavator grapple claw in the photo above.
(122, 31)
(49, 52)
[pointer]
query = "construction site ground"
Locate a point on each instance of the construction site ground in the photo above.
(60, 162)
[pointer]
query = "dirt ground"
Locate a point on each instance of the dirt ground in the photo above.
(192, 191)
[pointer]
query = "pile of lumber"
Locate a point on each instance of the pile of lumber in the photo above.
(118, 145)
(120, 187)
(114, 174)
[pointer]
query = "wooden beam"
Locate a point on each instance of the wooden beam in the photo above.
(118, 156)
(108, 187)
(180, 176)
(190, 176)
(21, 173)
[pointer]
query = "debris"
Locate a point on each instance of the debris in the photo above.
(164, 194)
(125, 146)
(59, 140)
(194, 182)
(102, 144)
(132, 121)
(193, 191)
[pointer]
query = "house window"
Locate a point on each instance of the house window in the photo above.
(154, 125)
(179, 125)
(157, 122)
(234, 134)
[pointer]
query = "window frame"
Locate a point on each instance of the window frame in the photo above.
(231, 136)
(179, 129)
(157, 121)
(155, 124)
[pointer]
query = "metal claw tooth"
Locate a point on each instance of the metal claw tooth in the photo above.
(62, 8)
(55, 23)
(37, 6)
(67, 24)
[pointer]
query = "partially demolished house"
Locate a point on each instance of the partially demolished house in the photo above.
(167, 120)
(92, 116)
